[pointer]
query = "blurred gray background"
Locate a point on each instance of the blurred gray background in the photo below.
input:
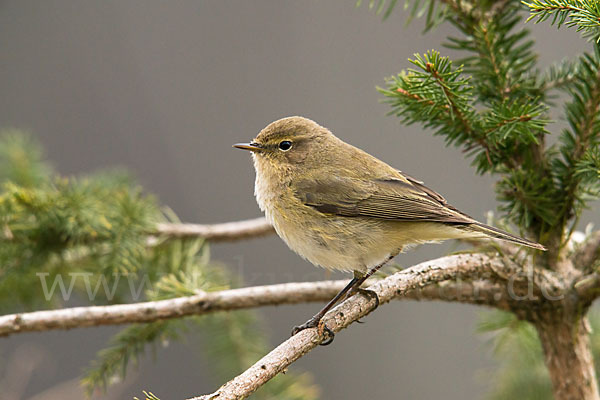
(164, 89)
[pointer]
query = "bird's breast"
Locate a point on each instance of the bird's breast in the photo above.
(329, 241)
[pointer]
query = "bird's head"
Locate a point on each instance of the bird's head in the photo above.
(292, 144)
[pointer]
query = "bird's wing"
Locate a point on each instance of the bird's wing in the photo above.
(393, 199)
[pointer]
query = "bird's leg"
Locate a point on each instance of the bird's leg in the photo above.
(314, 321)
(352, 287)
(357, 289)
(368, 292)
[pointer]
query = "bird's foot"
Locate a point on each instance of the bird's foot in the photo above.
(369, 293)
(322, 329)
(364, 292)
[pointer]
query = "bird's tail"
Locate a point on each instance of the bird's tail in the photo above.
(496, 233)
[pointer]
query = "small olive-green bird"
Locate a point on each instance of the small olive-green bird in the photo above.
(343, 209)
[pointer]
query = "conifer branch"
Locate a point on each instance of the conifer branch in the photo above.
(420, 99)
(497, 7)
(473, 13)
(584, 117)
(559, 76)
(457, 113)
(462, 8)
(582, 14)
(558, 83)
(455, 109)
(590, 121)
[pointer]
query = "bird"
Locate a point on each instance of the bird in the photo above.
(343, 209)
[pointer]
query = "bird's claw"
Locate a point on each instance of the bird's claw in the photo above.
(369, 293)
(311, 323)
(322, 329)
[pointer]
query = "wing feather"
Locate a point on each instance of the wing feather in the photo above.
(393, 199)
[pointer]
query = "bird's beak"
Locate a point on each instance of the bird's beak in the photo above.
(248, 146)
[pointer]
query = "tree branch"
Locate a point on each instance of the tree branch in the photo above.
(588, 288)
(588, 253)
(464, 291)
(228, 231)
(472, 266)
(202, 303)
(479, 292)
(223, 232)
(567, 353)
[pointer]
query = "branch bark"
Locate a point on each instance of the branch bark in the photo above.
(567, 353)
(396, 285)
(202, 303)
(465, 291)
(588, 253)
(587, 288)
(227, 231)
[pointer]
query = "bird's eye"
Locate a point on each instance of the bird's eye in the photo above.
(285, 145)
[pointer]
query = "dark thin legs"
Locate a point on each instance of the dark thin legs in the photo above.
(352, 287)
(314, 321)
